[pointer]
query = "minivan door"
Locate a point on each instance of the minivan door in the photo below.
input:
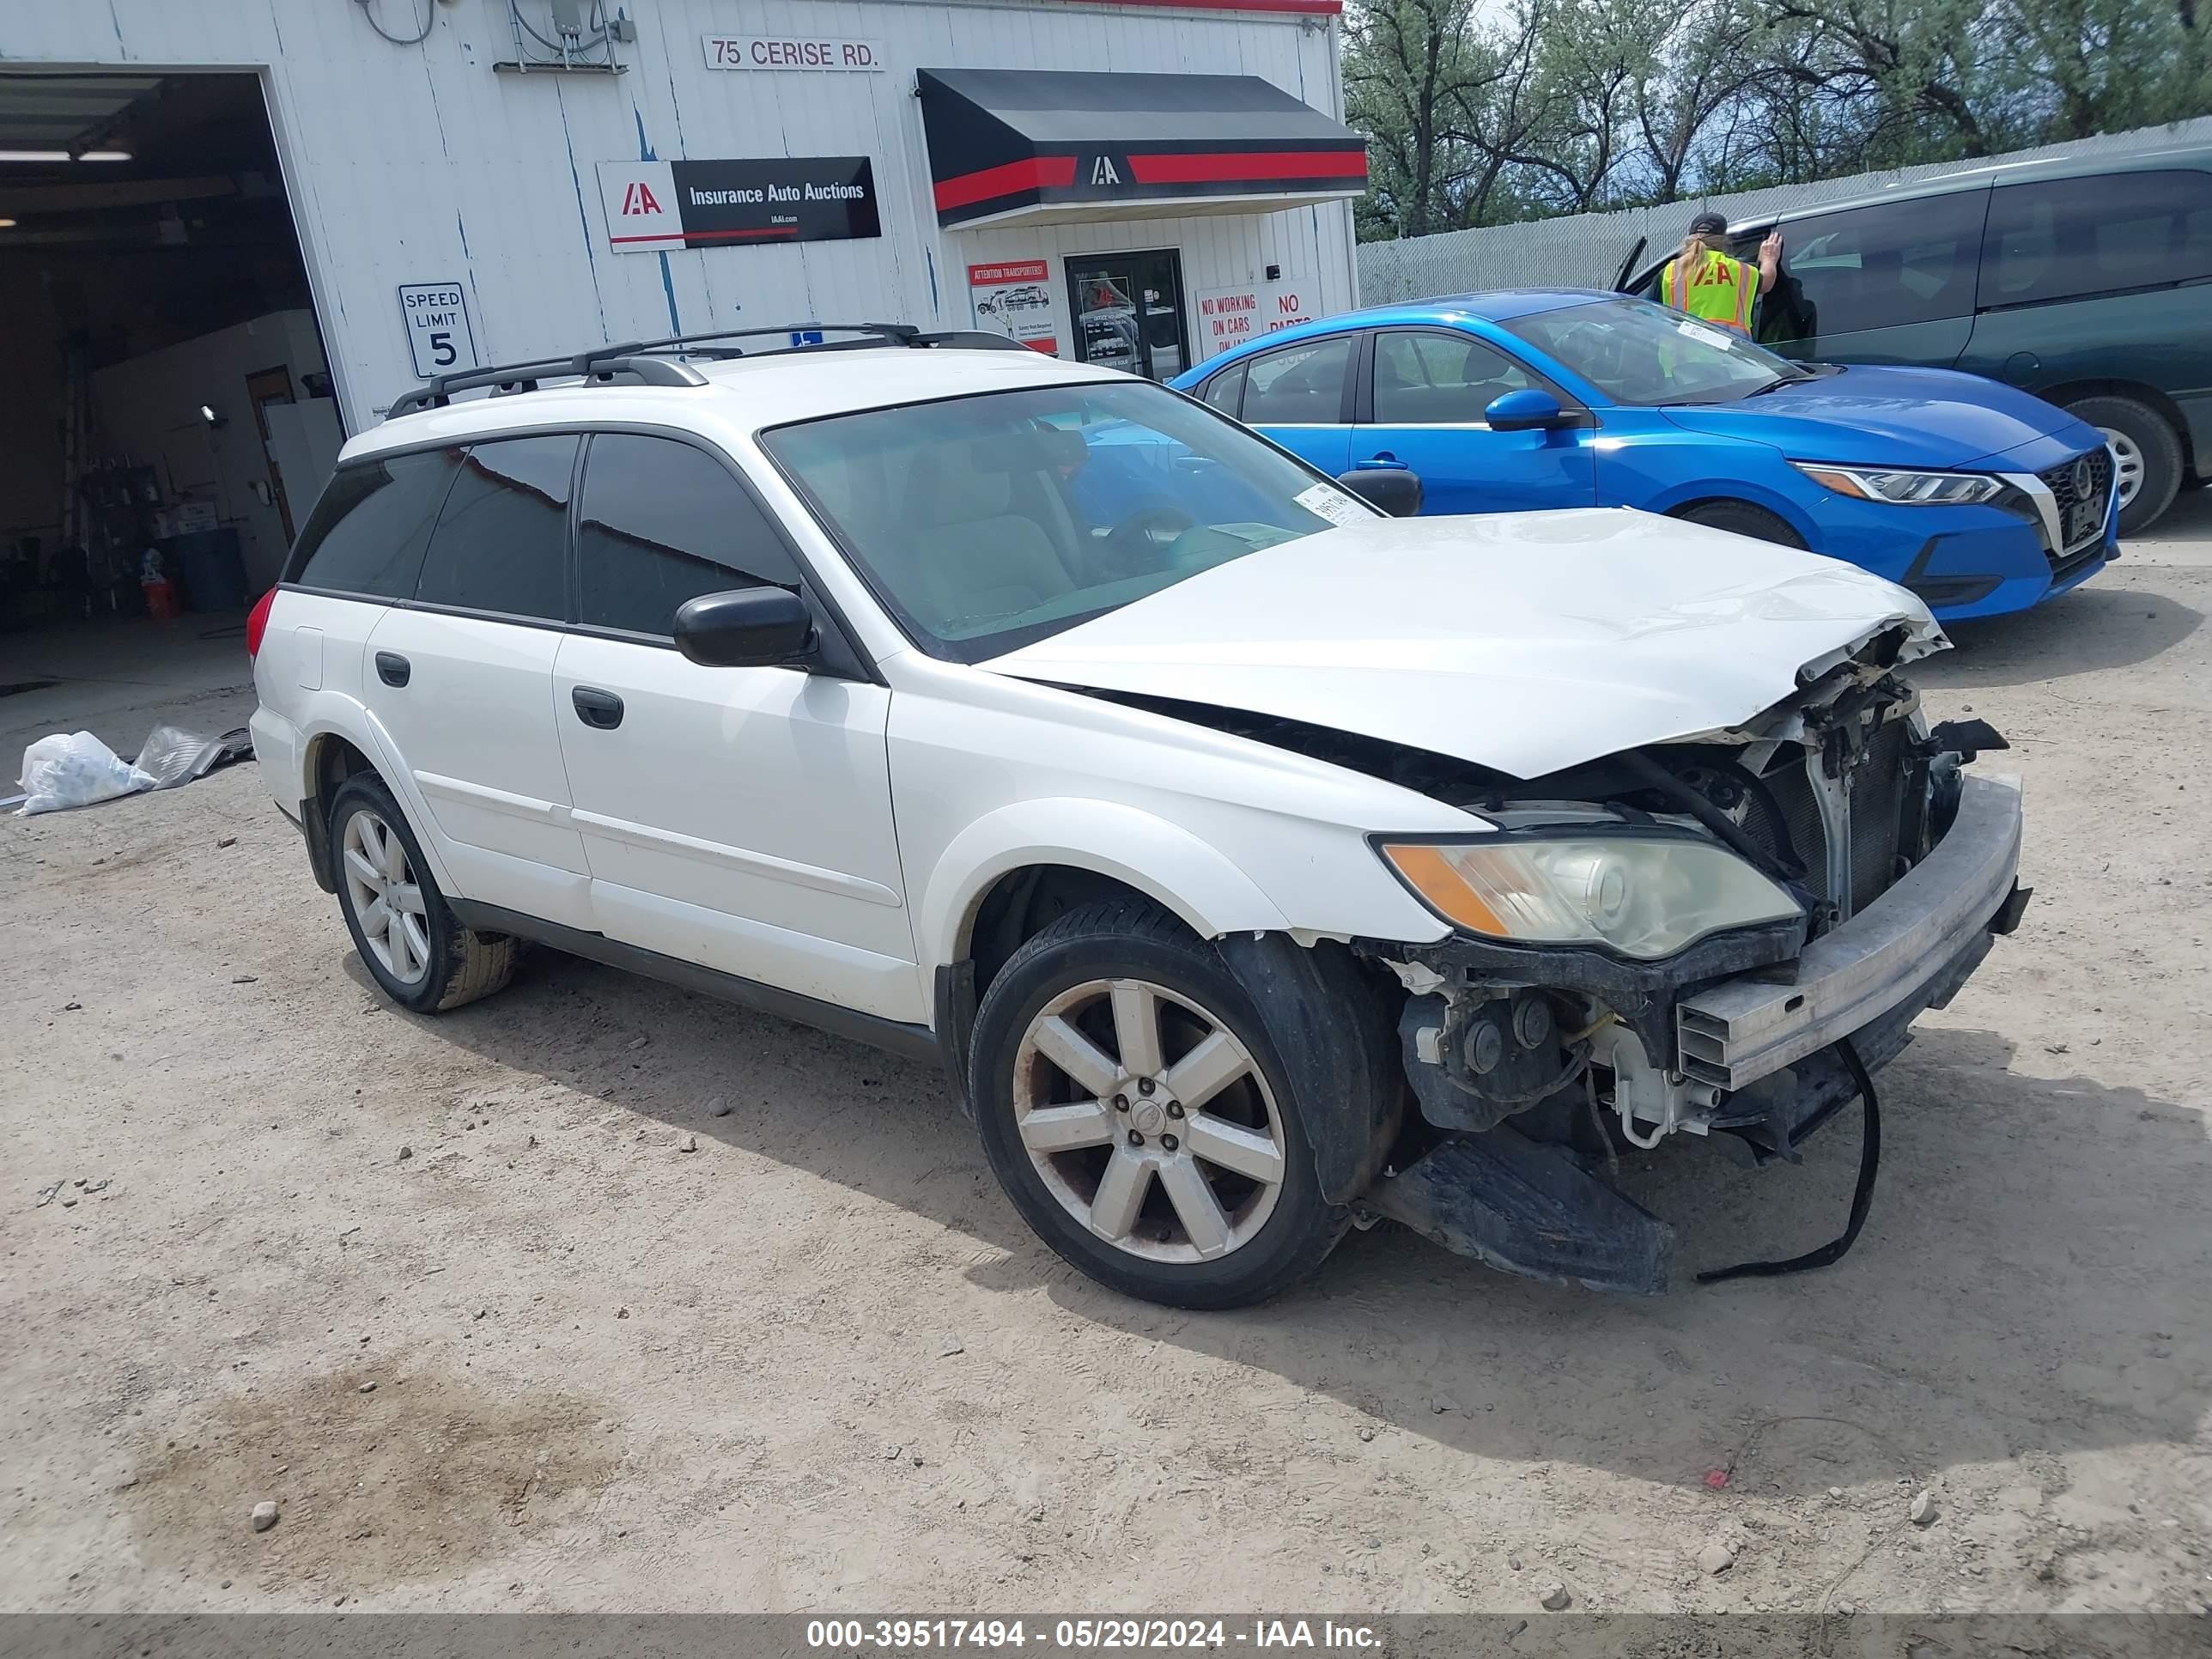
(1890, 283)
(460, 681)
(739, 818)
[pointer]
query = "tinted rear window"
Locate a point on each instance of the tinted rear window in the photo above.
(1874, 267)
(367, 532)
(2078, 236)
(501, 541)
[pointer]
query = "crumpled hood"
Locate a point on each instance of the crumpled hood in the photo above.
(1524, 643)
(1887, 417)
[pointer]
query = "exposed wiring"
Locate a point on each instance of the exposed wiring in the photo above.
(429, 18)
(565, 50)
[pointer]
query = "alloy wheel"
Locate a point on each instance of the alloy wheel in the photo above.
(1149, 1120)
(385, 897)
(2128, 463)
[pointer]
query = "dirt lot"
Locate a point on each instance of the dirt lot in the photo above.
(627, 1354)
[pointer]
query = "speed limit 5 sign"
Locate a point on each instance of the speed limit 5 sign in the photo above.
(438, 332)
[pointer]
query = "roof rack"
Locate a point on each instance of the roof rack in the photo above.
(657, 362)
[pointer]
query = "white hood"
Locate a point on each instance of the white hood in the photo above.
(1524, 643)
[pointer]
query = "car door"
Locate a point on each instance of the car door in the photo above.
(1300, 395)
(1422, 407)
(736, 817)
(1890, 283)
(459, 680)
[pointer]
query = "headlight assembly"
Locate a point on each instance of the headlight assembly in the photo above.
(1901, 488)
(1645, 896)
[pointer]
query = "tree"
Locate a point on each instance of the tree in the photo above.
(1478, 115)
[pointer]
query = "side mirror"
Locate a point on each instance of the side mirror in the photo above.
(1395, 489)
(1528, 410)
(746, 628)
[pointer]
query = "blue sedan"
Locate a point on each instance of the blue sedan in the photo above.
(1980, 498)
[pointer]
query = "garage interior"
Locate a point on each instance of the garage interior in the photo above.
(171, 418)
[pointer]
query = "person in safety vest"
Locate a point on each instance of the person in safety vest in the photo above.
(1711, 286)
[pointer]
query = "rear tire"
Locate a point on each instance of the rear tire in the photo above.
(1214, 1203)
(2149, 452)
(1744, 519)
(417, 953)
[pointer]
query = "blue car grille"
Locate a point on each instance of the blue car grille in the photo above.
(2081, 512)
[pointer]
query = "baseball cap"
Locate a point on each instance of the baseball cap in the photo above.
(1708, 223)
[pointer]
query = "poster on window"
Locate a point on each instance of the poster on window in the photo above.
(1015, 298)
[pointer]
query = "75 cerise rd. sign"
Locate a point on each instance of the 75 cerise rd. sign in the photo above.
(775, 51)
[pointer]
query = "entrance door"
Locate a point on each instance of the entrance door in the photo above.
(1128, 311)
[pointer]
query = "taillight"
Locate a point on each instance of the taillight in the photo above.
(257, 623)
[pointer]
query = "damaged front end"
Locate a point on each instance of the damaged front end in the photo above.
(1676, 940)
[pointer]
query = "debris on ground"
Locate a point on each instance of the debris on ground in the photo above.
(67, 770)
(1716, 1558)
(264, 1516)
(1924, 1509)
(1555, 1596)
(719, 1106)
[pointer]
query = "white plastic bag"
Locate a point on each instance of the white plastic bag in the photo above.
(76, 770)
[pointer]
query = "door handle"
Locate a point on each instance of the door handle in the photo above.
(393, 668)
(1383, 462)
(595, 707)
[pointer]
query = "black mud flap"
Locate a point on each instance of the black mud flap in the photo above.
(1528, 1209)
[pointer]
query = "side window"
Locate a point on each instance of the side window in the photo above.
(1225, 390)
(367, 532)
(1298, 386)
(1433, 380)
(502, 541)
(663, 523)
(2079, 236)
(1877, 267)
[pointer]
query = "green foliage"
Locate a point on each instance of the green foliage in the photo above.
(1482, 114)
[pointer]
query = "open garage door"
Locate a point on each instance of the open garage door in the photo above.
(170, 419)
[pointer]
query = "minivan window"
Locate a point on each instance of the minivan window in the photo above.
(502, 541)
(1883, 266)
(2066, 238)
(367, 532)
(1298, 386)
(663, 523)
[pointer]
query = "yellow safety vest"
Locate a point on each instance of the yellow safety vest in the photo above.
(1723, 290)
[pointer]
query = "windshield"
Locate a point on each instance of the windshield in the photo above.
(987, 523)
(1636, 352)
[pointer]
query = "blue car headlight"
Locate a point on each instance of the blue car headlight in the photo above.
(1903, 489)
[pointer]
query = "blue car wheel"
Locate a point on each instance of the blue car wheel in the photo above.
(1744, 519)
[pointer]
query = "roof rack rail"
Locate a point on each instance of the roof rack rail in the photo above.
(650, 362)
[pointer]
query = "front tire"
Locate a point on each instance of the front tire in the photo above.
(1134, 1108)
(1744, 519)
(2149, 454)
(409, 940)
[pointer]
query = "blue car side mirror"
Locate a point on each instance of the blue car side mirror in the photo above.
(1525, 410)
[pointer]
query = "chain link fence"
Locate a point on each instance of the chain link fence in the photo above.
(1586, 249)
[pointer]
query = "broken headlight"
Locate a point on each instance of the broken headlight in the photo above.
(1642, 895)
(1906, 488)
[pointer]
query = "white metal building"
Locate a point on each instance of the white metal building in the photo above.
(500, 187)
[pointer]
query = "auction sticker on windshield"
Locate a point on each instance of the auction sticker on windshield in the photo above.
(1334, 504)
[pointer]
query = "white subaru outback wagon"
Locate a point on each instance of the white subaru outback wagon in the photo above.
(1259, 863)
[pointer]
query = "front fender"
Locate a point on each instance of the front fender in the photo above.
(1163, 860)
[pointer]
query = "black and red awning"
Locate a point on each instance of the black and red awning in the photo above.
(1038, 144)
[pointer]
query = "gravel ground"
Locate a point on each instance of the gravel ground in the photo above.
(627, 1353)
